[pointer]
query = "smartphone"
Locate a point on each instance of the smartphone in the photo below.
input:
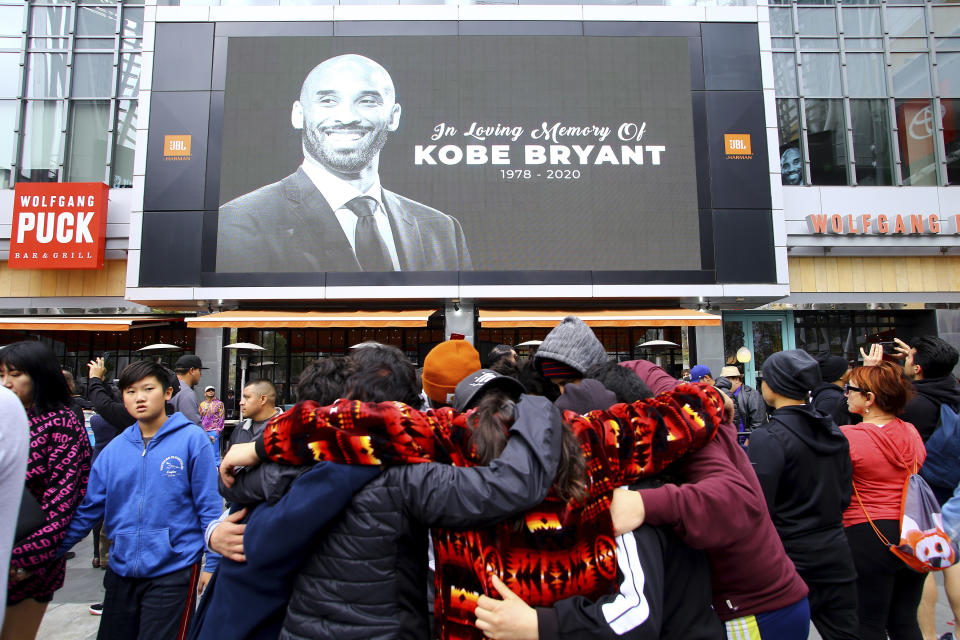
(886, 340)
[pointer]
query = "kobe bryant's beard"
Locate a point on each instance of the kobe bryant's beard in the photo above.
(343, 161)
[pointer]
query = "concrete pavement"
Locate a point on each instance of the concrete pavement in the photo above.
(67, 617)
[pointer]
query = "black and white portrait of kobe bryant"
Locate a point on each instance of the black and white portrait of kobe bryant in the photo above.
(332, 213)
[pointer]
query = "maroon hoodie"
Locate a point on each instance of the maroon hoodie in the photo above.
(721, 509)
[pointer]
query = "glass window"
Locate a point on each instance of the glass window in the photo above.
(50, 21)
(948, 74)
(908, 44)
(951, 138)
(92, 75)
(131, 43)
(906, 21)
(818, 44)
(788, 129)
(916, 127)
(868, 44)
(8, 125)
(124, 142)
(946, 21)
(89, 126)
(785, 74)
(96, 21)
(132, 23)
(947, 44)
(820, 75)
(871, 142)
(781, 22)
(93, 43)
(40, 142)
(817, 22)
(129, 75)
(911, 74)
(11, 20)
(46, 75)
(861, 22)
(14, 42)
(9, 75)
(39, 44)
(781, 43)
(826, 142)
(865, 77)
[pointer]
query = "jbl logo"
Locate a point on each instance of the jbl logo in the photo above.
(737, 144)
(176, 146)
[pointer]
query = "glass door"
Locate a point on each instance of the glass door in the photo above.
(750, 338)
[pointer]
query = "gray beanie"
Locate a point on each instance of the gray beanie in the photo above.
(574, 344)
(792, 373)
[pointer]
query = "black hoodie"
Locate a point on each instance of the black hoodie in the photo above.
(923, 411)
(830, 400)
(803, 463)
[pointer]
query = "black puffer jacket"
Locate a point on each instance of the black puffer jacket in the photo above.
(802, 460)
(367, 576)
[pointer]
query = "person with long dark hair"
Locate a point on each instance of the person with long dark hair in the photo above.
(56, 478)
(884, 450)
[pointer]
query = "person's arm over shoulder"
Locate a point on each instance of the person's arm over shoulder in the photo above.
(706, 511)
(280, 535)
(203, 486)
(635, 612)
(767, 457)
(443, 495)
(265, 482)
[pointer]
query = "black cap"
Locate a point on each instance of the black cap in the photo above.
(189, 362)
(470, 387)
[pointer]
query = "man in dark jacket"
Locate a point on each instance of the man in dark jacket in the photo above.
(380, 538)
(828, 396)
(803, 464)
(750, 411)
(929, 362)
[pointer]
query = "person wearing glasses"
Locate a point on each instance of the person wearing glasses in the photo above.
(884, 450)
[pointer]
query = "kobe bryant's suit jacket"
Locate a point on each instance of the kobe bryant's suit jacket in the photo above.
(288, 227)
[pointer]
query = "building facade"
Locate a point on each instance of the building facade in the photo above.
(792, 185)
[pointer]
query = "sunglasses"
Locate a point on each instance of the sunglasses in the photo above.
(847, 388)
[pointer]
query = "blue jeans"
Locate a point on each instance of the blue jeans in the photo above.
(215, 439)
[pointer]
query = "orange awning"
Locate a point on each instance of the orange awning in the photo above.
(312, 319)
(73, 323)
(495, 318)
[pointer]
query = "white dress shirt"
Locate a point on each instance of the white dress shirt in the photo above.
(338, 193)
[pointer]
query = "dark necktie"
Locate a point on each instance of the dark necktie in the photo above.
(371, 251)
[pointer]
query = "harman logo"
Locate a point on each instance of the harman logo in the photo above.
(176, 147)
(737, 145)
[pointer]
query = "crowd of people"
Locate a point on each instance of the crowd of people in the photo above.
(557, 496)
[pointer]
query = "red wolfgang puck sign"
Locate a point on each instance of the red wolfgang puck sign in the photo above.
(59, 225)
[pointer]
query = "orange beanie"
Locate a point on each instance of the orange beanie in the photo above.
(447, 364)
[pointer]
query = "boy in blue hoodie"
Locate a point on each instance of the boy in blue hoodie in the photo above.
(155, 486)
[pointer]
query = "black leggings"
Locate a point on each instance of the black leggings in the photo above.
(888, 592)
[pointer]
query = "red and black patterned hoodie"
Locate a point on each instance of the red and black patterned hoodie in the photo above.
(556, 550)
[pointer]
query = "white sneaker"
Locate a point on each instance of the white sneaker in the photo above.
(96, 609)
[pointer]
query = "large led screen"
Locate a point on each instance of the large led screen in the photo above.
(447, 153)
